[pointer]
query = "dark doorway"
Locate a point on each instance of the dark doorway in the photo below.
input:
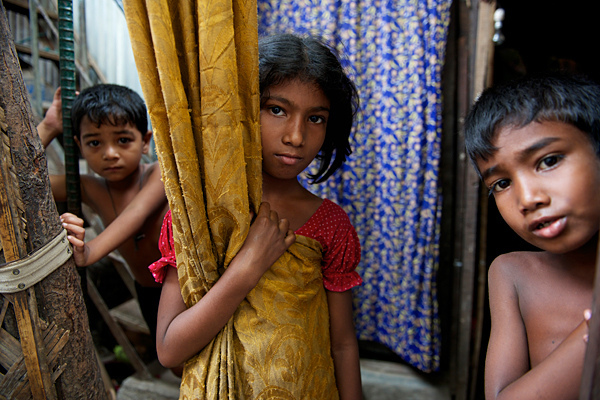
(539, 36)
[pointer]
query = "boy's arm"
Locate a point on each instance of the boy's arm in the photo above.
(182, 332)
(76, 235)
(507, 373)
(52, 124)
(130, 220)
(344, 345)
(48, 129)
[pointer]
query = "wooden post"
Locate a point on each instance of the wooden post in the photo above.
(55, 342)
(590, 380)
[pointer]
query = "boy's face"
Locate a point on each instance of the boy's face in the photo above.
(293, 125)
(545, 178)
(113, 152)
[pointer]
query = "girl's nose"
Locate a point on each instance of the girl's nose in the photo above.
(294, 135)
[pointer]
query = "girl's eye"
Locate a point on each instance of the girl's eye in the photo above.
(549, 161)
(499, 186)
(276, 110)
(317, 119)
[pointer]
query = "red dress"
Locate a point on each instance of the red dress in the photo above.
(329, 225)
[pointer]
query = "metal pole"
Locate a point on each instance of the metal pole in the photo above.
(67, 83)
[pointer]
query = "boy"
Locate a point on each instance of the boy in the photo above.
(535, 145)
(110, 126)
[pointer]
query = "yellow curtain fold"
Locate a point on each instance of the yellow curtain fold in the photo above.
(198, 67)
(204, 114)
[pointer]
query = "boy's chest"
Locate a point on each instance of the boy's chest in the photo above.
(551, 310)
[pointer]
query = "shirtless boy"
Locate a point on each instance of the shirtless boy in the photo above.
(110, 126)
(535, 145)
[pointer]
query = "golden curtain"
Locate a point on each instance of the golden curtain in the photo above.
(198, 67)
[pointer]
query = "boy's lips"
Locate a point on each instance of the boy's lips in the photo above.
(548, 227)
(112, 169)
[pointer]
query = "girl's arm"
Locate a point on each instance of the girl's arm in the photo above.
(182, 332)
(507, 371)
(344, 345)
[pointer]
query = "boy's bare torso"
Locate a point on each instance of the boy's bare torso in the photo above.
(141, 250)
(551, 291)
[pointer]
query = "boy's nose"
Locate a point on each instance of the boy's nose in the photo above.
(110, 153)
(532, 197)
(294, 134)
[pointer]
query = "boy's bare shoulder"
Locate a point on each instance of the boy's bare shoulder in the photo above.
(518, 262)
(521, 270)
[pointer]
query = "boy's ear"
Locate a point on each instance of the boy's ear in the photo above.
(146, 140)
(76, 139)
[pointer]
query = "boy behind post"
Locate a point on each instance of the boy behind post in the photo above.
(535, 145)
(110, 126)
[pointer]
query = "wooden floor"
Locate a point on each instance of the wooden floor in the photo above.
(382, 380)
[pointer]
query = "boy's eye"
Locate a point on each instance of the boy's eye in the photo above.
(93, 143)
(124, 140)
(549, 162)
(499, 186)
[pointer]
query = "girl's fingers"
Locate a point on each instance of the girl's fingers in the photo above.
(290, 238)
(284, 225)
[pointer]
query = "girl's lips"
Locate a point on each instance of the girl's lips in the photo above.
(288, 159)
(550, 229)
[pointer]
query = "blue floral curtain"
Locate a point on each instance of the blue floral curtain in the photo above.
(394, 51)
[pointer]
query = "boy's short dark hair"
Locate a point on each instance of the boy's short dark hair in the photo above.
(109, 104)
(572, 99)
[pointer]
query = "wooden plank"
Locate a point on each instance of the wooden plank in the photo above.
(466, 217)
(117, 331)
(37, 369)
(16, 381)
(14, 248)
(22, 6)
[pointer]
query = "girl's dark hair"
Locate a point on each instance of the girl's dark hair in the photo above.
(572, 99)
(286, 57)
(109, 104)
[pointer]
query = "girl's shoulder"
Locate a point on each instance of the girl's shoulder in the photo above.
(329, 214)
(330, 226)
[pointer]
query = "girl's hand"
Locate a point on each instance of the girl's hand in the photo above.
(76, 235)
(182, 331)
(269, 237)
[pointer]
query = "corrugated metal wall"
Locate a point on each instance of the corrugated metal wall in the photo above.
(108, 41)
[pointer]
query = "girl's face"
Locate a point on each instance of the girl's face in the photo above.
(293, 120)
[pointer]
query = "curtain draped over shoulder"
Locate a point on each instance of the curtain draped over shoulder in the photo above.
(198, 67)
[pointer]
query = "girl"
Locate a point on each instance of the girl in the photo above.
(307, 108)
